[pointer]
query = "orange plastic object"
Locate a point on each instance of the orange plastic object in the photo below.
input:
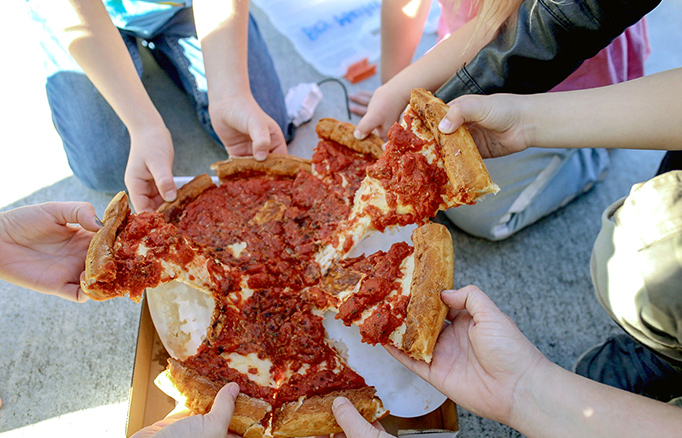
(360, 71)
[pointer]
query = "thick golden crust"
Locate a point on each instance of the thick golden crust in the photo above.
(313, 416)
(463, 162)
(99, 262)
(199, 393)
(186, 194)
(434, 269)
(274, 164)
(342, 133)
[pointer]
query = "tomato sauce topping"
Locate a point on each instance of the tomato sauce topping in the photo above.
(408, 178)
(136, 270)
(277, 224)
(382, 277)
(278, 325)
(342, 166)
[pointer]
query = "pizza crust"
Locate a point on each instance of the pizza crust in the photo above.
(434, 269)
(342, 133)
(99, 261)
(186, 194)
(198, 394)
(274, 164)
(463, 163)
(314, 416)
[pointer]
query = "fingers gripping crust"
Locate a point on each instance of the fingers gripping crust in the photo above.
(314, 416)
(463, 162)
(200, 393)
(342, 133)
(433, 272)
(99, 262)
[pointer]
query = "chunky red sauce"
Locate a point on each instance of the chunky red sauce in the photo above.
(135, 272)
(279, 325)
(408, 179)
(283, 222)
(383, 274)
(343, 167)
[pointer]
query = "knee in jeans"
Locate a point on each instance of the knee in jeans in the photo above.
(483, 226)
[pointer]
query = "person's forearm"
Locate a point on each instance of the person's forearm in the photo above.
(436, 66)
(222, 29)
(402, 26)
(643, 113)
(96, 44)
(558, 403)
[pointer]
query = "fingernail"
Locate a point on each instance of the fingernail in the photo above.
(445, 126)
(260, 155)
(169, 196)
(98, 222)
(358, 135)
(338, 401)
(234, 389)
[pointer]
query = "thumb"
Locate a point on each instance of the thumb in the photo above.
(353, 424)
(471, 298)
(464, 109)
(223, 408)
(366, 125)
(162, 174)
(82, 213)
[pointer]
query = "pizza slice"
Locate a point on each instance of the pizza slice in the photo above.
(421, 172)
(394, 296)
(275, 347)
(266, 219)
(341, 160)
(132, 252)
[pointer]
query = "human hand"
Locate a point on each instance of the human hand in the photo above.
(495, 122)
(383, 110)
(353, 424)
(43, 251)
(245, 129)
(180, 424)
(149, 173)
(359, 102)
(481, 359)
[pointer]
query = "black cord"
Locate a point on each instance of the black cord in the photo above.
(345, 92)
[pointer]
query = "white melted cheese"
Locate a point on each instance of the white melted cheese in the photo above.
(142, 249)
(407, 270)
(237, 248)
(246, 364)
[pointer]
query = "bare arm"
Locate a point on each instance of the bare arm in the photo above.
(485, 364)
(240, 123)
(555, 402)
(95, 43)
(639, 114)
(402, 26)
(430, 72)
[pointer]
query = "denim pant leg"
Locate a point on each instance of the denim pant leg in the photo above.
(534, 183)
(178, 51)
(95, 140)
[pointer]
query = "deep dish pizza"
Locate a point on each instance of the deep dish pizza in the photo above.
(269, 244)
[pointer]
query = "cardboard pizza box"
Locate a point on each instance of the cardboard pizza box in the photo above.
(147, 404)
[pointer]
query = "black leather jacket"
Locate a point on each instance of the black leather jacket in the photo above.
(543, 44)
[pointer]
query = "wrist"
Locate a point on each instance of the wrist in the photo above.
(529, 396)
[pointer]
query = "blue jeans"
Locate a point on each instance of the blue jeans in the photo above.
(96, 141)
(534, 183)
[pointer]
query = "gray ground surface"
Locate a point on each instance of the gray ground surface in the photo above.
(66, 368)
